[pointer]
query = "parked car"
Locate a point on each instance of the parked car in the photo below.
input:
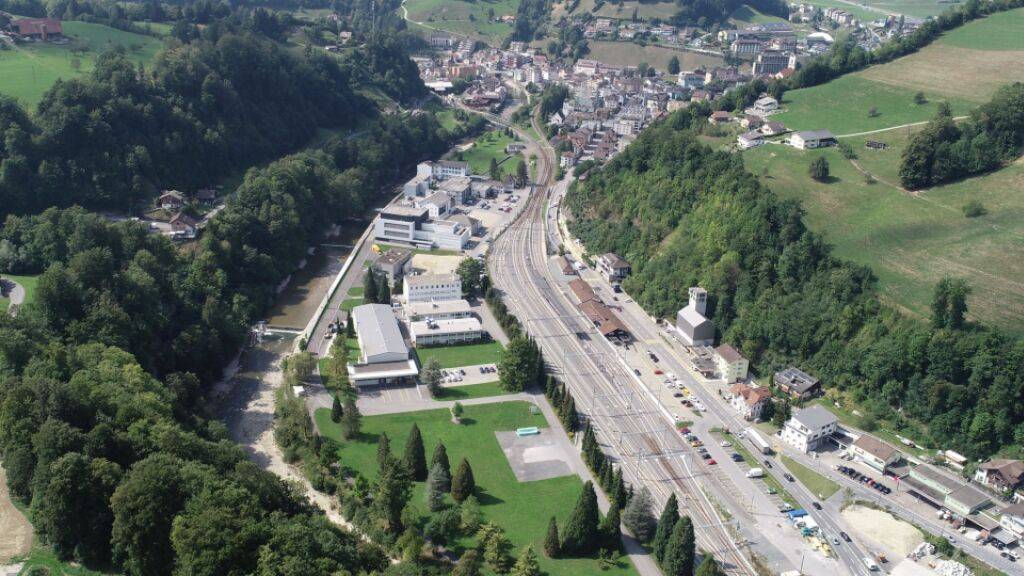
(725, 444)
(636, 371)
(712, 462)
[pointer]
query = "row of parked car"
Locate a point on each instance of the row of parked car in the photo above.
(866, 480)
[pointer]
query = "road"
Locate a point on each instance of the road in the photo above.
(628, 425)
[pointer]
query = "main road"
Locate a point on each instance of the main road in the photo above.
(628, 423)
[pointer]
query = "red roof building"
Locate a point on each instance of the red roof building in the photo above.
(44, 28)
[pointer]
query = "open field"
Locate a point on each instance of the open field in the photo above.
(465, 18)
(27, 282)
(843, 106)
(487, 147)
(984, 54)
(630, 54)
(464, 355)
(817, 484)
(30, 69)
(911, 241)
(469, 391)
(522, 509)
(745, 15)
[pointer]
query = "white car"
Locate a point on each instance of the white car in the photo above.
(725, 444)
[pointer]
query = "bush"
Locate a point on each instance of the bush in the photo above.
(974, 208)
(819, 169)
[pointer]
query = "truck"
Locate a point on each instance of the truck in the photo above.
(758, 441)
(755, 473)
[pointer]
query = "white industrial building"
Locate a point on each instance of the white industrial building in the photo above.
(383, 354)
(413, 225)
(806, 429)
(445, 332)
(438, 310)
(432, 288)
(691, 324)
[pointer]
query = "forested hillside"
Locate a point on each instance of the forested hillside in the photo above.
(686, 215)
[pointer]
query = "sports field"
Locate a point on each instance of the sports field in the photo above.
(968, 63)
(30, 69)
(630, 54)
(911, 241)
(522, 509)
(472, 19)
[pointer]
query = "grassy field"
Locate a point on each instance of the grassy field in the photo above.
(843, 106)
(630, 54)
(985, 54)
(490, 146)
(28, 282)
(916, 8)
(745, 15)
(911, 241)
(464, 18)
(31, 69)
(485, 390)
(816, 483)
(522, 509)
(465, 355)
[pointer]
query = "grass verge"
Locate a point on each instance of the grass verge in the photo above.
(465, 355)
(816, 483)
(470, 391)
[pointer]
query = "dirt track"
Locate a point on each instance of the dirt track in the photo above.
(15, 529)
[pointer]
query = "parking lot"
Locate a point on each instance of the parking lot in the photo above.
(467, 375)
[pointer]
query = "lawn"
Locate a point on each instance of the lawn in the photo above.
(470, 391)
(28, 282)
(522, 509)
(843, 106)
(915, 8)
(1001, 31)
(624, 10)
(29, 70)
(464, 18)
(487, 147)
(816, 483)
(912, 241)
(745, 15)
(465, 355)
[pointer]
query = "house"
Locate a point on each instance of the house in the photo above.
(752, 122)
(171, 200)
(812, 139)
(394, 264)
(207, 196)
(383, 353)
(797, 383)
(38, 28)
(1001, 474)
(720, 117)
(183, 226)
(1012, 519)
(749, 401)
(773, 128)
(432, 288)
(874, 452)
(692, 325)
(766, 105)
(749, 140)
(445, 332)
(731, 364)
(808, 428)
(613, 267)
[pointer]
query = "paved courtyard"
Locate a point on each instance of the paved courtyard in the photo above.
(537, 457)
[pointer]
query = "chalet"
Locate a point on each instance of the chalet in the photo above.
(1001, 474)
(613, 267)
(38, 28)
(171, 200)
(183, 226)
(206, 196)
(797, 383)
(752, 122)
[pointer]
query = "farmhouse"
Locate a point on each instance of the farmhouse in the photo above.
(812, 139)
(383, 353)
(38, 28)
(183, 226)
(720, 117)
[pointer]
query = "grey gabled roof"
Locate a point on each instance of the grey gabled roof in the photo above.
(378, 330)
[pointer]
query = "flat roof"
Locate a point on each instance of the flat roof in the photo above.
(437, 199)
(394, 255)
(442, 307)
(378, 330)
(445, 326)
(403, 211)
(427, 279)
(814, 417)
(402, 369)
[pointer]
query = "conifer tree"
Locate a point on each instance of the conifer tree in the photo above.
(579, 537)
(440, 456)
(679, 554)
(384, 456)
(527, 564)
(469, 564)
(351, 419)
(666, 523)
(618, 489)
(463, 484)
(709, 567)
(336, 411)
(415, 458)
(437, 484)
(637, 515)
(552, 545)
(569, 414)
(610, 528)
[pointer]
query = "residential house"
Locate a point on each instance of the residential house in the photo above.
(720, 117)
(171, 200)
(1001, 474)
(773, 128)
(808, 428)
(812, 139)
(1012, 519)
(749, 401)
(797, 383)
(183, 226)
(613, 267)
(752, 122)
(692, 325)
(874, 453)
(731, 364)
(766, 105)
(749, 140)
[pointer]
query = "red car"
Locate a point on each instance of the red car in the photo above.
(658, 372)
(684, 430)
(712, 462)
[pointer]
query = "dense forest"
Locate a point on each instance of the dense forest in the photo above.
(846, 56)
(946, 150)
(101, 424)
(686, 215)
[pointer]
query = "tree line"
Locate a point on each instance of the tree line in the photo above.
(686, 215)
(846, 56)
(946, 150)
